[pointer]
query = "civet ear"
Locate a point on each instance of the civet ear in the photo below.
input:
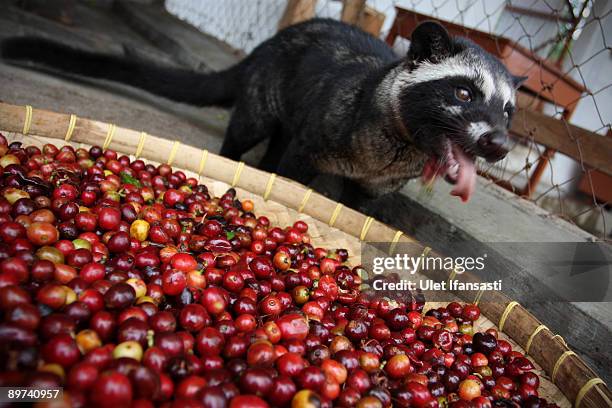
(430, 41)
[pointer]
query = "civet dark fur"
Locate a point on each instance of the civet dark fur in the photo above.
(332, 98)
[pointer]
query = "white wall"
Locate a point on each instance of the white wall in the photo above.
(243, 24)
(478, 14)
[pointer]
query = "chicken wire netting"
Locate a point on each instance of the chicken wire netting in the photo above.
(562, 135)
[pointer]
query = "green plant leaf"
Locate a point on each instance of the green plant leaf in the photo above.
(127, 179)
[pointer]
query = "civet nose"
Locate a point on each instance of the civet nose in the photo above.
(493, 145)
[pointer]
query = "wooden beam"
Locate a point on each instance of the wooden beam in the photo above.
(296, 12)
(371, 21)
(352, 10)
(584, 146)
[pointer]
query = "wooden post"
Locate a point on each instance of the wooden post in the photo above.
(371, 21)
(537, 174)
(296, 12)
(352, 10)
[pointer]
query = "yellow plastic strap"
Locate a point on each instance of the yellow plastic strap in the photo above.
(366, 227)
(28, 119)
(175, 147)
(452, 275)
(269, 186)
(71, 124)
(334, 216)
(560, 361)
(586, 388)
(394, 241)
(305, 200)
(109, 136)
(237, 174)
(560, 338)
(504, 316)
(535, 333)
(478, 297)
(141, 143)
(202, 162)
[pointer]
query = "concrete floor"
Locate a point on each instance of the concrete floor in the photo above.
(492, 216)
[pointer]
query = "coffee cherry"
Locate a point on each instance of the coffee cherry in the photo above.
(334, 370)
(359, 380)
(469, 389)
(82, 376)
(213, 299)
(282, 261)
(293, 327)
(471, 312)
(128, 349)
(111, 390)
(42, 233)
(88, 340)
(260, 354)
(193, 317)
(369, 362)
(398, 366)
(209, 342)
(119, 296)
(290, 364)
(256, 381)
(62, 350)
(484, 343)
(311, 378)
(261, 267)
(130, 284)
(247, 401)
(109, 218)
(183, 262)
(420, 393)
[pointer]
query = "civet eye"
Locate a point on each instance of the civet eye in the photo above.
(463, 94)
(506, 115)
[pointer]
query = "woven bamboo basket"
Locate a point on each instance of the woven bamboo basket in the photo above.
(565, 378)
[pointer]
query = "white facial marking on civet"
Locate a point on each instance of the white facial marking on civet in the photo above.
(506, 92)
(488, 84)
(454, 110)
(477, 129)
(455, 66)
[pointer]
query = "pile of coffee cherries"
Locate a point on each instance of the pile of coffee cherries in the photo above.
(129, 284)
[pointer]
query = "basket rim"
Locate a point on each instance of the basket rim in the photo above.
(580, 384)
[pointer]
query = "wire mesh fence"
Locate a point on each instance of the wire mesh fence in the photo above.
(562, 138)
